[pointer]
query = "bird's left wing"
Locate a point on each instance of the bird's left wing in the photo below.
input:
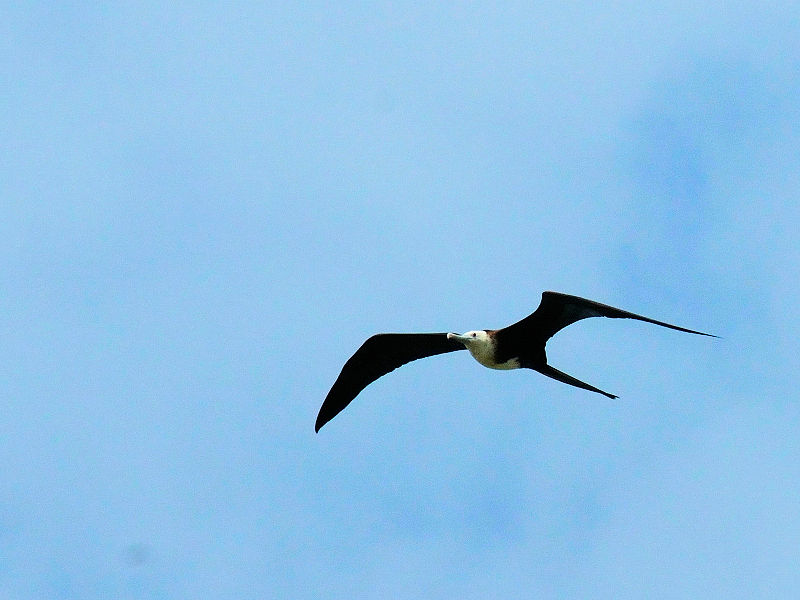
(376, 357)
(557, 311)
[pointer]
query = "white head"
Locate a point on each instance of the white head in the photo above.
(471, 338)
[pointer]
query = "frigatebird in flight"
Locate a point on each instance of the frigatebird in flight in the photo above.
(520, 345)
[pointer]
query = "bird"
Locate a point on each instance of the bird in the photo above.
(517, 346)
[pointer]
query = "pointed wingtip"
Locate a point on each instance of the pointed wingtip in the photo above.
(695, 332)
(319, 423)
(702, 333)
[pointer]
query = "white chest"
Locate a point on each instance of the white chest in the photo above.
(484, 354)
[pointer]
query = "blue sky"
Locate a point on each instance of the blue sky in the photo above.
(207, 209)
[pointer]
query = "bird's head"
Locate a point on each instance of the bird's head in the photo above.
(471, 338)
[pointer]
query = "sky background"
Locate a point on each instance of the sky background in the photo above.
(206, 209)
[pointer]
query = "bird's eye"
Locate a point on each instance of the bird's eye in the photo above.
(474, 335)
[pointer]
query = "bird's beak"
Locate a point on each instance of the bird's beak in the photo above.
(455, 336)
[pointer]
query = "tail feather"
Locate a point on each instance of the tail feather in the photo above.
(568, 379)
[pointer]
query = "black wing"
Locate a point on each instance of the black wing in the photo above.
(557, 310)
(376, 357)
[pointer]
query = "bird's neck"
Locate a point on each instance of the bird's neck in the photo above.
(484, 350)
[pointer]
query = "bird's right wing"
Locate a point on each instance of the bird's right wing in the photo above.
(376, 357)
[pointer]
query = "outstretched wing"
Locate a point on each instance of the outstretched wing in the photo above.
(557, 310)
(376, 357)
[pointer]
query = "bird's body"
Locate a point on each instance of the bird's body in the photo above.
(521, 345)
(483, 347)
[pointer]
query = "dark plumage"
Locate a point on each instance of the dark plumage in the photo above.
(521, 345)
